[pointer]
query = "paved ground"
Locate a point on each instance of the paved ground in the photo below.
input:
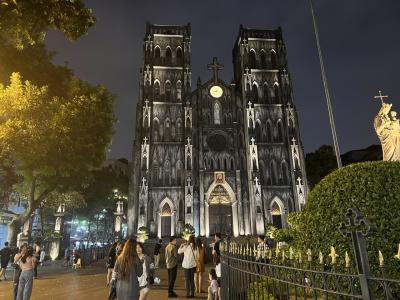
(60, 283)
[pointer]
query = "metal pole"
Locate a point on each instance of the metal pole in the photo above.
(327, 96)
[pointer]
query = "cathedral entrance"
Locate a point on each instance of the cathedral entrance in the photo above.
(220, 210)
(220, 218)
(166, 220)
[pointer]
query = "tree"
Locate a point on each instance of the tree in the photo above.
(372, 188)
(25, 22)
(55, 141)
(319, 164)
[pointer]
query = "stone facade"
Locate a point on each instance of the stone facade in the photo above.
(219, 156)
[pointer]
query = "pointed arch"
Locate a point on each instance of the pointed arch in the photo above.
(258, 131)
(254, 92)
(252, 59)
(263, 172)
(179, 55)
(273, 173)
(279, 126)
(232, 164)
(178, 90)
(266, 93)
(167, 90)
(166, 218)
(156, 90)
(277, 93)
(217, 113)
(274, 60)
(285, 173)
(277, 208)
(157, 55)
(263, 58)
(270, 138)
(168, 55)
(167, 129)
(156, 129)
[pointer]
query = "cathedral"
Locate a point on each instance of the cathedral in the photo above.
(222, 156)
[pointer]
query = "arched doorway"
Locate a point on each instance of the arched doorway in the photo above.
(220, 211)
(276, 214)
(166, 220)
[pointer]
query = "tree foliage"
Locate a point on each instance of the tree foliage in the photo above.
(55, 141)
(319, 164)
(25, 22)
(372, 188)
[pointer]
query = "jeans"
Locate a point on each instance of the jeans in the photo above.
(189, 281)
(171, 279)
(25, 285)
(17, 274)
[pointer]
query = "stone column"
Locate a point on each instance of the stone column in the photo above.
(235, 219)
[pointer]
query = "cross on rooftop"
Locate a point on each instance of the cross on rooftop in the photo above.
(380, 96)
(215, 66)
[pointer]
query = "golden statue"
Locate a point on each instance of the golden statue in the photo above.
(387, 127)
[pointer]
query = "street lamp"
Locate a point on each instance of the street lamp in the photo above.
(327, 95)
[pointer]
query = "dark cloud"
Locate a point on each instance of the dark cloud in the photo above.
(359, 40)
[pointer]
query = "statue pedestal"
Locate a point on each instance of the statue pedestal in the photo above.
(55, 248)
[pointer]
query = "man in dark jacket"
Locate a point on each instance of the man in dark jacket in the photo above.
(5, 254)
(171, 260)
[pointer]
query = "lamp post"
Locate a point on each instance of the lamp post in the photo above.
(327, 95)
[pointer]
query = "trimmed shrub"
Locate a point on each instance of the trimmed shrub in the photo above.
(371, 187)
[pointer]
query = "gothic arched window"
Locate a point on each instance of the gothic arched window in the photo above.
(285, 173)
(274, 62)
(254, 93)
(280, 132)
(266, 93)
(157, 55)
(258, 132)
(277, 94)
(179, 55)
(276, 213)
(252, 59)
(263, 57)
(168, 91)
(269, 132)
(156, 91)
(168, 56)
(217, 113)
(179, 90)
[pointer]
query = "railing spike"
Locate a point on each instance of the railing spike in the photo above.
(347, 260)
(321, 258)
(381, 259)
(309, 255)
(398, 252)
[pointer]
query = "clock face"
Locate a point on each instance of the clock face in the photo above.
(216, 91)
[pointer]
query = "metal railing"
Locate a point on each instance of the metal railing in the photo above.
(249, 272)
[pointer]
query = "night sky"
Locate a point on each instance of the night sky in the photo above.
(360, 42)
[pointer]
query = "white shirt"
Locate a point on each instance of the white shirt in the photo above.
(143, 279)
(189, 255)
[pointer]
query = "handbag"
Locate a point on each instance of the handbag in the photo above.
(197, 260)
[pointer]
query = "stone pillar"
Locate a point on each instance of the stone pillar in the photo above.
(235, 219)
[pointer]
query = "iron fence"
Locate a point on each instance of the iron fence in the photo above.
(249, 272)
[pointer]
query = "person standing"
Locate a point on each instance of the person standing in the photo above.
(112, 257)
(36, 253)
(190, 253)
(198, 279)
(128, 268)
(148, 269)
(27, 262)
(216, 252)
(171, 261)
(157, 249)
(17, 270)
(5, 254)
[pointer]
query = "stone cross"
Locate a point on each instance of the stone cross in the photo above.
(145, 140)
(189, 180)
(215, 66)
(380, 96)
(298, 180)
(188, 140)
(143, 181)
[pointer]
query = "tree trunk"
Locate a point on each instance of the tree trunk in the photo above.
(17, 221)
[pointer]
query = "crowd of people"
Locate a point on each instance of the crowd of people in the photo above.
(131, 272)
